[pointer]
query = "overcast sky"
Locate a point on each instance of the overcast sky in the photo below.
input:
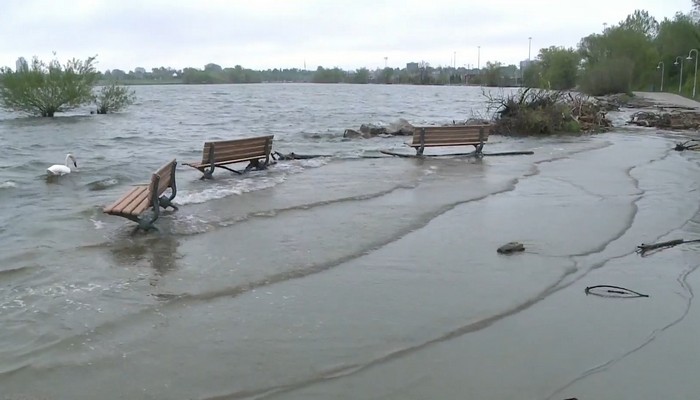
(261, 34)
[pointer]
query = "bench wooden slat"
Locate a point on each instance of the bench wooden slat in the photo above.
(247, 146)
(451, 135)
(458, 138)
(445, 144)
(139, 205)
(127, 200)
(236, 154)
(240, 141)
(222, 148)
(457, 128)
(451, 138)
(164, 175)
(233, 151)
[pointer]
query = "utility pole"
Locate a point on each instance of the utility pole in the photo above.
(385, 58)
(529, 47)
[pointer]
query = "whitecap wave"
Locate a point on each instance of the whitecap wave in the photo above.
(8, 185)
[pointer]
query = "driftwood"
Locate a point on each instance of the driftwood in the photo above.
(686, 146)
(293, 156)
(666, 120)
(613, 291)
(540, 111)
(644, 248)
(471, 154)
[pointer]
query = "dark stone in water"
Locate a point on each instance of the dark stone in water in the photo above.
(511, 247)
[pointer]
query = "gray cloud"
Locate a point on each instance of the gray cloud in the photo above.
(268, 34)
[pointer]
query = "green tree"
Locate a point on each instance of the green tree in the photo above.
(625, 45)
(558, 68)
(387, 75)
(640, 21)
(612, 75)
(45, 89)
(361, 76)
(112, 98)
(328, 75)
(532, 75)
(675, 38)
(492, 76)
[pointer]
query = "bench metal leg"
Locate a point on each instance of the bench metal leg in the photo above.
(166, 202)
(147, 224)
(207, 173)
(254, 164)
(478, 150)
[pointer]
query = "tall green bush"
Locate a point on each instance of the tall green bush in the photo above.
(608, 77)
(44, 89)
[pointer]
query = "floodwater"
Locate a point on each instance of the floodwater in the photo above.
(351, 276)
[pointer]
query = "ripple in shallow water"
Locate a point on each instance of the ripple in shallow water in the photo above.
(103, 184)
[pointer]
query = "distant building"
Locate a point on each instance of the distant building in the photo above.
(411, 67)
(21, 65)
(525, 64)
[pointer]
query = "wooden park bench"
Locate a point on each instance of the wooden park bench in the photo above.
(255, 150)
(451, 135)
(142, 197)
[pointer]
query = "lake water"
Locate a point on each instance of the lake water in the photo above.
(350, 276)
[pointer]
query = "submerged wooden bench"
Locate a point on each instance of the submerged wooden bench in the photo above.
(255, 150)
(451, 135)
(142, 197)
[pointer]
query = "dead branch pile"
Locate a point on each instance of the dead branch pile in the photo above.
(539, 111)
(674, 120)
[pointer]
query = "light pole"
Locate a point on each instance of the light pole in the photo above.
(661, 66)
(695, 76)
(478, 58)
(680, 81)
(529, 47)
(385, 58)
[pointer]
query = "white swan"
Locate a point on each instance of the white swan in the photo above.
(62, 169)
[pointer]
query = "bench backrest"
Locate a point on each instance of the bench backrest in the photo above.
(238, 149)
(162, 179)
(451, 135)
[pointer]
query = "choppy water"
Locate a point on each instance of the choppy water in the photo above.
(339, 277)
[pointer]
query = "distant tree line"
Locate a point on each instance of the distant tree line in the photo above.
(420, 74)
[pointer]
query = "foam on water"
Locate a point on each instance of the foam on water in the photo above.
(98, 224)
(276, 175)
(8, 185)
(226, 189)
